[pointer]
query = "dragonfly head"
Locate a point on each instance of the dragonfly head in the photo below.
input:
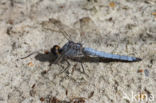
(56, 50)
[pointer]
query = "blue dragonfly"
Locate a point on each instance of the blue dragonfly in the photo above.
(76, 51)
(73, 50)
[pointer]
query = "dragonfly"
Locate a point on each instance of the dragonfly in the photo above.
(74, 50)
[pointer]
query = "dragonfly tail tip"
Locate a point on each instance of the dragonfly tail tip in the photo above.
(138, 59)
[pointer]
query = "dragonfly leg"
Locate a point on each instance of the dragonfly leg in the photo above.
(68, 65)
(57, 61)
(50, 64)
(74, 66)
(83, 70)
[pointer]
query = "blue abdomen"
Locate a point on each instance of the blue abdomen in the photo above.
(101, 54)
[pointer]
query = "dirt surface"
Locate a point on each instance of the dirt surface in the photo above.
(126, 27)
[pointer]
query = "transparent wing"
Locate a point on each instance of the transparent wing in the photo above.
(89, 32)
(84, 30)
(57, 26)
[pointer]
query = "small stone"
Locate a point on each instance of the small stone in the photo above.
(146, 72)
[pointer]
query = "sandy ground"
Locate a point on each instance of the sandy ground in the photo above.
(126, 27)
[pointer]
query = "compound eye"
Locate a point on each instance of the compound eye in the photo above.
(55, 50)
(57, 47)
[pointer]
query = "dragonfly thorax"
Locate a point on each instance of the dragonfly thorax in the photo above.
(56, 50)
